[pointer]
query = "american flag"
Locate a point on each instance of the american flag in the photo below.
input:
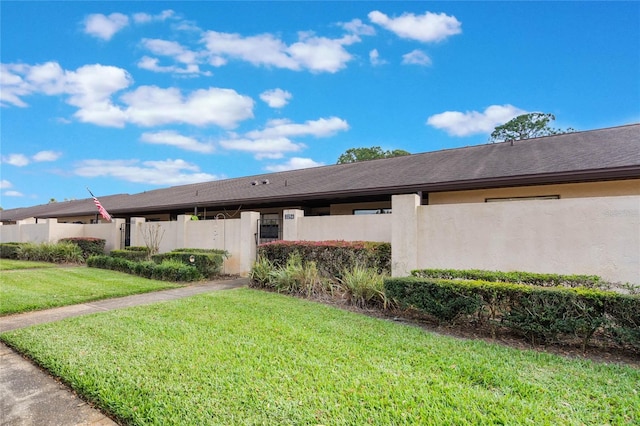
(103, 212)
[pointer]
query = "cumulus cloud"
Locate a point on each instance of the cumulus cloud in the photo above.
(294, 163)
(152, 106)
(357, 27)
(263, 147)
(322, 127)
(172, 138)
(167, 172)
(143, 18)
(18, 160)
(467, 123)
(429, 27)
(43, 156)
(5, 184)
(416, 57)
(13, 194)
(174, 50)
(276, 98)
(104, 27)
(91, 89)
(275, 139)
(374, 58)
(317, 54)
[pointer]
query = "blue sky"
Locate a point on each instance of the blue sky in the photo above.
(123, 97)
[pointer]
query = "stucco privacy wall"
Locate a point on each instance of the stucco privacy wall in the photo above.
(49, 230)
(598, 236)
(348, 228)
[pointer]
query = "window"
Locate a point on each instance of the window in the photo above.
(538, 197)
(372, 211)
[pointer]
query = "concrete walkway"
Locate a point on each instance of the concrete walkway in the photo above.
(30, 396)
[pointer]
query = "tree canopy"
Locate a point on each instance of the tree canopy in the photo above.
(525, 126)
(353, 155)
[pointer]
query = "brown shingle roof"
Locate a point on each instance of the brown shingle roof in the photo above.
(571, 157)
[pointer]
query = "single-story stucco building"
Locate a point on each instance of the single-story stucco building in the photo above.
(596, 163)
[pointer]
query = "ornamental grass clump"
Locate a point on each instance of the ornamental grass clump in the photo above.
(363, 287)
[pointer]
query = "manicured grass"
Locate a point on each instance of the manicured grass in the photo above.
(10, 264)
(246, 357)
(34, 289)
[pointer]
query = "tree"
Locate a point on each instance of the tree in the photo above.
(353, 155)
(527, 126)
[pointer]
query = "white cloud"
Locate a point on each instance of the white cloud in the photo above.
(168, 172)
(143, 18)
(13, 85)
(90, 88)
(173, 50)
(172, 138)
(317, 54)
(104, 27)
(322, 127)
(276, 98)
(263, 147)
(274, 140)
(426, 28)
(357, 27)
(374, 58)
(416, 57)
(46, 156)
(153, 64)
(457, 123)
(5, 184)
(13, 194)
(293, 164)
(152, 106)
(18, 160)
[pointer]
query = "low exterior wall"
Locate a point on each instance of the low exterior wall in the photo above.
(599, 236)
(348, 228)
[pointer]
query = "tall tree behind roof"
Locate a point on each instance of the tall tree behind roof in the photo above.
(526, 126)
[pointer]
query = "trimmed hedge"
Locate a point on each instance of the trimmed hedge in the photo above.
(543, 280)
(90, 246)
(331, 257)
(542, 314)
(207, 262)
(165, 271)
(132, 255)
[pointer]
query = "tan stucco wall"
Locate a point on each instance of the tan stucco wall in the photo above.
(599, 235)
(569, 190)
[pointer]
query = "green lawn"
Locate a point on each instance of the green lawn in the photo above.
(246, 357)
(33, 289)
(9, 264)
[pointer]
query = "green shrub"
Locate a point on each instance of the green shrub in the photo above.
(530, 278)
(9, 250)
(168, 270)
(543, 314)
(364, 287)
(63, 252)
(133, 255)
(623, 313)
(331, 257)
(88, 245)
(209, 264)
(221, 252)
(137, 248)
(175, 270)
(442, 299)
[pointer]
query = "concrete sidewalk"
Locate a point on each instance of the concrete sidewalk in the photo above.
(30, 396)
